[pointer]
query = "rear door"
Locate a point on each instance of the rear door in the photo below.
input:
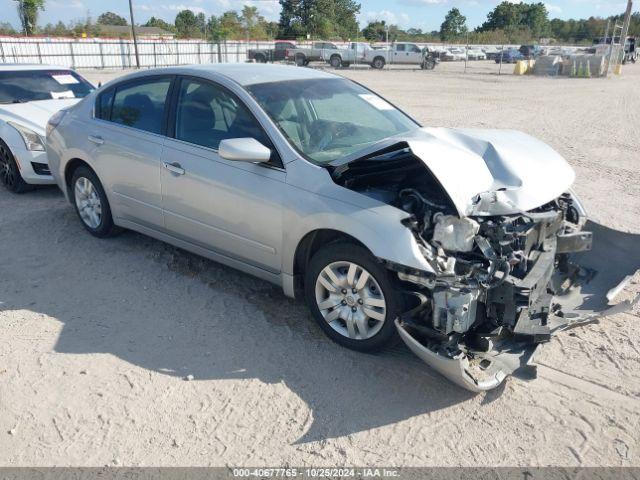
(232, 208)
(128, 136)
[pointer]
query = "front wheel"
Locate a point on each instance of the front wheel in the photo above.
(301, 61)
(428, 65)
(91, 203)
(352, 297)
(10, 173)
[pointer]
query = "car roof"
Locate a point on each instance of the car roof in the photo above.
(21, 67)
(243, 73)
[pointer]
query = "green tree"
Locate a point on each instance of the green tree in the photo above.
(530, 19)
(186, 24)
(253, 23)
(7, 29)
(159, 23)
(318, 18)
(454, 25)
(28, 14)
(376, 31)
(110, 18)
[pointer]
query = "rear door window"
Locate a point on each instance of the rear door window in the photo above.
(141, 105)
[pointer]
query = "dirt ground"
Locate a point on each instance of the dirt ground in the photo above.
(98, 335)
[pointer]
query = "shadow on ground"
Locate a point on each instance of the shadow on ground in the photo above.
(168, 311)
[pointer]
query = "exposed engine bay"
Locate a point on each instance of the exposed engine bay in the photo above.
(496, 282)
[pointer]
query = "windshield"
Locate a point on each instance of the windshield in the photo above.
(327, 119)
(29, 86)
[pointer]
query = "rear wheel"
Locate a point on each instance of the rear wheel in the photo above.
(91, 203)
(378, 63)
(352, 297)
(335, 61)
(261, 59)
(301, 60)
(10, 175)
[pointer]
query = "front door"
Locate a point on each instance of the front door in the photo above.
(232, 208)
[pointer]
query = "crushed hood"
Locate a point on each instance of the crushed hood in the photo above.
(34, 115)
(484, 172)
(492, 172)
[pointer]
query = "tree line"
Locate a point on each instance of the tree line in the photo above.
(337, 20)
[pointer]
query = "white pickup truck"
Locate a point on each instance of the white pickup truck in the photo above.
(319, 51)
(401, 53)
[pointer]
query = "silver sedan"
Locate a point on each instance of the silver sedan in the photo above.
(449, 238)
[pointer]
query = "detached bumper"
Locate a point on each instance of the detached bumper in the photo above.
(484, 372)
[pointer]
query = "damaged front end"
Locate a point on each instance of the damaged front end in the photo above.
(500, 284)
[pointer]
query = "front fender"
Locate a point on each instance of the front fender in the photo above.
(378, 228)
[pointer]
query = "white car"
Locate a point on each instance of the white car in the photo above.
(29, 95)
(476, 54)
(454, 55)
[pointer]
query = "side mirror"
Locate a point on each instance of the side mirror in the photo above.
(244, 150)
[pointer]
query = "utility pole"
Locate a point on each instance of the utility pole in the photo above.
(625, 26)
(133, 33)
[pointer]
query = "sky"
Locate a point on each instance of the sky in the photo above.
(424, 14)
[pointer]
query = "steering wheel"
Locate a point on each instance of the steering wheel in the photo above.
(324, 133)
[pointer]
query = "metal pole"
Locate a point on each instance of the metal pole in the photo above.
(607, 59)
(625, 28)
(133, 34)
(466, 58)
(501, 57)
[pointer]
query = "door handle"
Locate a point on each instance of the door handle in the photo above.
(174, 168)
(98, 140)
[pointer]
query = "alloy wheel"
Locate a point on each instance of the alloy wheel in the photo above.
(350, 300)
(88, 202)
(8, 172)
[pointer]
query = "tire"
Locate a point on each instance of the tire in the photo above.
(428, 65)
(378, 63)
(335, 61)
(10, 175)
(84, 196)
(301, 60)
(261, 59)
(378, 297)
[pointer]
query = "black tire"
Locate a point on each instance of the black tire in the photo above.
(428, 65)
(349, 252)
(10, 175)
(301, 60)
(335, 61)
(261, 59)
(378, 63)
(106, 227)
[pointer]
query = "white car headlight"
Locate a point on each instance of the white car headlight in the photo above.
(32, 140)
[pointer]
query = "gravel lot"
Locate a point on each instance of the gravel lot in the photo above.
(98, 335)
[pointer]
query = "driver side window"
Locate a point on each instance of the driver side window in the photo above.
(207, 113)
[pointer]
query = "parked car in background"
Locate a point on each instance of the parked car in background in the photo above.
(454, 54)
(491, 52)
(476, 54)
(29, 95)
(446, 237)
(356, 52)
(510, 56)
(275, 54)
(316, 53)
(530, 52)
